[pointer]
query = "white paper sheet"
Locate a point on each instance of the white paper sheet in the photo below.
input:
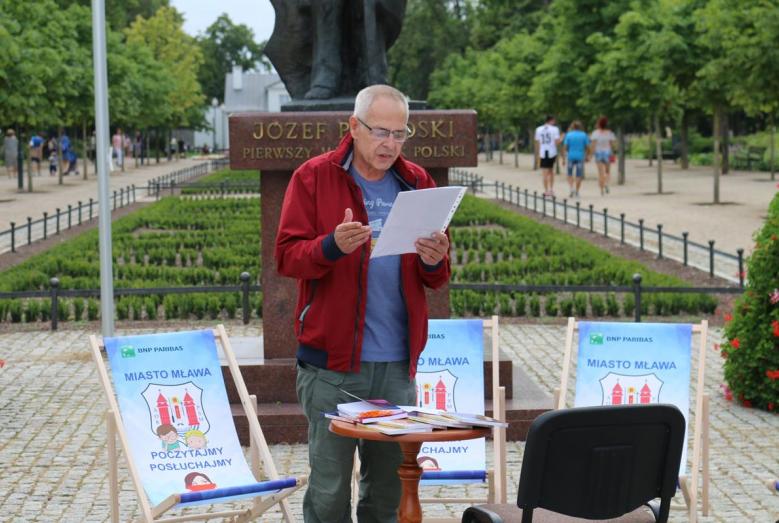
(416, 214)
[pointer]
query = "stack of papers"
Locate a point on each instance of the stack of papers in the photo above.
(370, 411)
(384, 417)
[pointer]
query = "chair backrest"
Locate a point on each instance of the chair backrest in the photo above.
(601, 462)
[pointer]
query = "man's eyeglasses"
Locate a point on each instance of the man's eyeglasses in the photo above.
(380, 133)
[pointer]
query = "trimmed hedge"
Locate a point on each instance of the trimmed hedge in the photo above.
(494, 245)
(175, 242)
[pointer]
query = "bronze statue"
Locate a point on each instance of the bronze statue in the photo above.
(324, 49)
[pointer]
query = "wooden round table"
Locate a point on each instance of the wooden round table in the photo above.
(409, 511)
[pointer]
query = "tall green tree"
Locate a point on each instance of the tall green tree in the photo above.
(432, 29)
(749, 40)
(634, 71)
(564, 30)
(121, 13)
(223, 45)
(495, 20)
(179, 53)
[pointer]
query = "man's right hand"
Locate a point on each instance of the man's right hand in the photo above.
(349, 235)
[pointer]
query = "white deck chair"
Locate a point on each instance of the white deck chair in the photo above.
(438, 350)
(699, 471)
(171, 414)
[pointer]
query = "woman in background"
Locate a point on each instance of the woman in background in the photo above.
(604, 143)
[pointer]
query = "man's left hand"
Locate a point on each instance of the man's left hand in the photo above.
(432, 250)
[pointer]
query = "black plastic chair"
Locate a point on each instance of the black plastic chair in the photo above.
(596, 463)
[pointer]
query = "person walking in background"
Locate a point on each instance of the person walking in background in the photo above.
(604, 143)
(576, 150)
(11, 152)
(138, 148)
(117, 147)
(68, 155)
(53, 149)
(547, 138)
(36, 151)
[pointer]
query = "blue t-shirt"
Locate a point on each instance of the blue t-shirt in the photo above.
(576, 143)
(385, 337)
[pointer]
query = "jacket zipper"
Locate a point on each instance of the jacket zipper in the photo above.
(302, 317)
(357, 312)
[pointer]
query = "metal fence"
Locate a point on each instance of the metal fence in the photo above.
(679, 248)
(54, 293)
(62, 219)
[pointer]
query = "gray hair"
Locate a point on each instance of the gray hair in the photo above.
(365, 98)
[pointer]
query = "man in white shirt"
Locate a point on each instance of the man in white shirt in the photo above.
(546, 140)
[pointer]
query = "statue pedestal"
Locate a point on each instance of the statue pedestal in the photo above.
(276, 144)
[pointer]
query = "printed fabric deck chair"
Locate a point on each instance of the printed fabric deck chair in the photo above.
(450, 376)
(645, 363)
(168, 405)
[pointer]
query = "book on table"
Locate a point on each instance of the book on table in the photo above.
(371, 411)
(449, 419)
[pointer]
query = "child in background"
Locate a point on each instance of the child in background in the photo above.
(53, 163)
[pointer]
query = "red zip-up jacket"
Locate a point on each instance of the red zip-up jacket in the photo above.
(332, 286)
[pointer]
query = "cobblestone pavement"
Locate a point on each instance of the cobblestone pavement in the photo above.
(53, 453)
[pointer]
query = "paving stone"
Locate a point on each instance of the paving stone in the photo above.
(53, 454)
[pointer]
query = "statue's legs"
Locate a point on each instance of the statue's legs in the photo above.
(375, 49)
(326, 64)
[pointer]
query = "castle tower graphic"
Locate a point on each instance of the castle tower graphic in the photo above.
(622, 389)
(163, 409)
(180, 405)
(440, 395)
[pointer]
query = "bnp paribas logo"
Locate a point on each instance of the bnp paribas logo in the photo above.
(596, 339)
(127, 351)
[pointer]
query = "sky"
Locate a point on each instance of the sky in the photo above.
(199, 14)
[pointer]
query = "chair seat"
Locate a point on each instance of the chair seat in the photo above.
(513, 514)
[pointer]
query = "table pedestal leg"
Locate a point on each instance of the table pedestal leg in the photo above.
(409, 511)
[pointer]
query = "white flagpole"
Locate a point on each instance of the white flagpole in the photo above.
(101, 163)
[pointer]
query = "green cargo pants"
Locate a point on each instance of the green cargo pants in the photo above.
(331, 457)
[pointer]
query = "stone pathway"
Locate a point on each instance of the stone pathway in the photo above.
(53, 453)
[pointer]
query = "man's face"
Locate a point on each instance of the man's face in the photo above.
(374, 156)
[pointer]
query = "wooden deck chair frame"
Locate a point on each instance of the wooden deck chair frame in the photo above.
(259, 451)
(496, 477)
(700, 443)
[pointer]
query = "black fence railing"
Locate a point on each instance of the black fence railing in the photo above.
(53, 223)
(169, 183)
(54, 293)
(62, 219)
(245, 288)
(680, 248)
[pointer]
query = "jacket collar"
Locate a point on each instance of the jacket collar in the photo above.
(343, 154)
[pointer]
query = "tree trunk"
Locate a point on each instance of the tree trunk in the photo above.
(685, 137)
(500, 147)
(516, 147)
(659, 152)
(716, 162)
(85, 147)
(20, 152)
(773, 148)
(725, 128)
(157, 145)
(532, 141)
(60, 156)
(650, 143)
(622, 153)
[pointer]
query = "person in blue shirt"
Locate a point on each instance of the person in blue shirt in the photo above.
(36, 151)
(576, 150)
